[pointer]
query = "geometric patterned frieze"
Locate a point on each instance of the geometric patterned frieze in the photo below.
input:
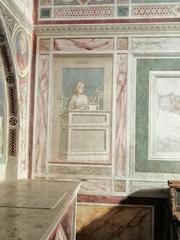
(108, 29)
(155, 10)
(83, 12)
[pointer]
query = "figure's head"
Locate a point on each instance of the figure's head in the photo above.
(79, 88)
(22, 43)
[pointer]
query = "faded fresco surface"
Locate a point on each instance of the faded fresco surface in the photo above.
(2, 120)
(165, 99)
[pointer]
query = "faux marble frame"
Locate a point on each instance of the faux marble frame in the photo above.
(142, 64)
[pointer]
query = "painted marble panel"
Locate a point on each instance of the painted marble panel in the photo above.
(97, 185)
(155, 44)
(40, 138)
(101, 222)
(123, 11)
(45, 13)
(68, 221)
(122, 44)
(22, 102)
(44, 44)
(83, 12)
(79, 170)
(143, 69)
(164, 116)
(121, 92)
(77, 45)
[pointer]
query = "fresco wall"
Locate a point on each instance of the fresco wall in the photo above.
(106, 88)
(139, 88)
(18, 34)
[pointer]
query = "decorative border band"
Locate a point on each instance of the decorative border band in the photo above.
(107, 29)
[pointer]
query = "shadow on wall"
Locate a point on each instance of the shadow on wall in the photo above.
(132, 218)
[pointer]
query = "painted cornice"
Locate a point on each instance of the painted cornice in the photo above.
(108, 29)
(14, 13)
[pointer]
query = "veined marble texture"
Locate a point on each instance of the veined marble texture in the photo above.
(40, 138)
(121, 92)
(123, 222)
(44, 44)
(68, 221)
(22, 102)
(96, 185)
(155, 44)
(79, 170)
(76, 45)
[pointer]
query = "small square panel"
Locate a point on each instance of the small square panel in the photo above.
(45, 2)
(123, 11)
(44, 44)
(45, 12)
(122, 44)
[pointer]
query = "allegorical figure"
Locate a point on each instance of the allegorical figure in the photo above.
(78, 101)
(21, 52)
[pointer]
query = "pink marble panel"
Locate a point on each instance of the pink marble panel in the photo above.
(101, 222)
(40, 137)
(121, 94)
(22, 102)
(68, 222)
(60, 234)
(77, 45)
(96, 185)
(44, 44)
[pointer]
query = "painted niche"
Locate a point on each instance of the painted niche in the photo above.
(81, 99)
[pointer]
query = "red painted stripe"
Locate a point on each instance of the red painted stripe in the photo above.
(109, 21)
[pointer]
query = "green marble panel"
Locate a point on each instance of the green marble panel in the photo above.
(155, 1)
(45, 12)
(123, 11)
(144, 66)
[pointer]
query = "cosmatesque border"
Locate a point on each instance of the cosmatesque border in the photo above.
(16, 14)
(107, 29)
